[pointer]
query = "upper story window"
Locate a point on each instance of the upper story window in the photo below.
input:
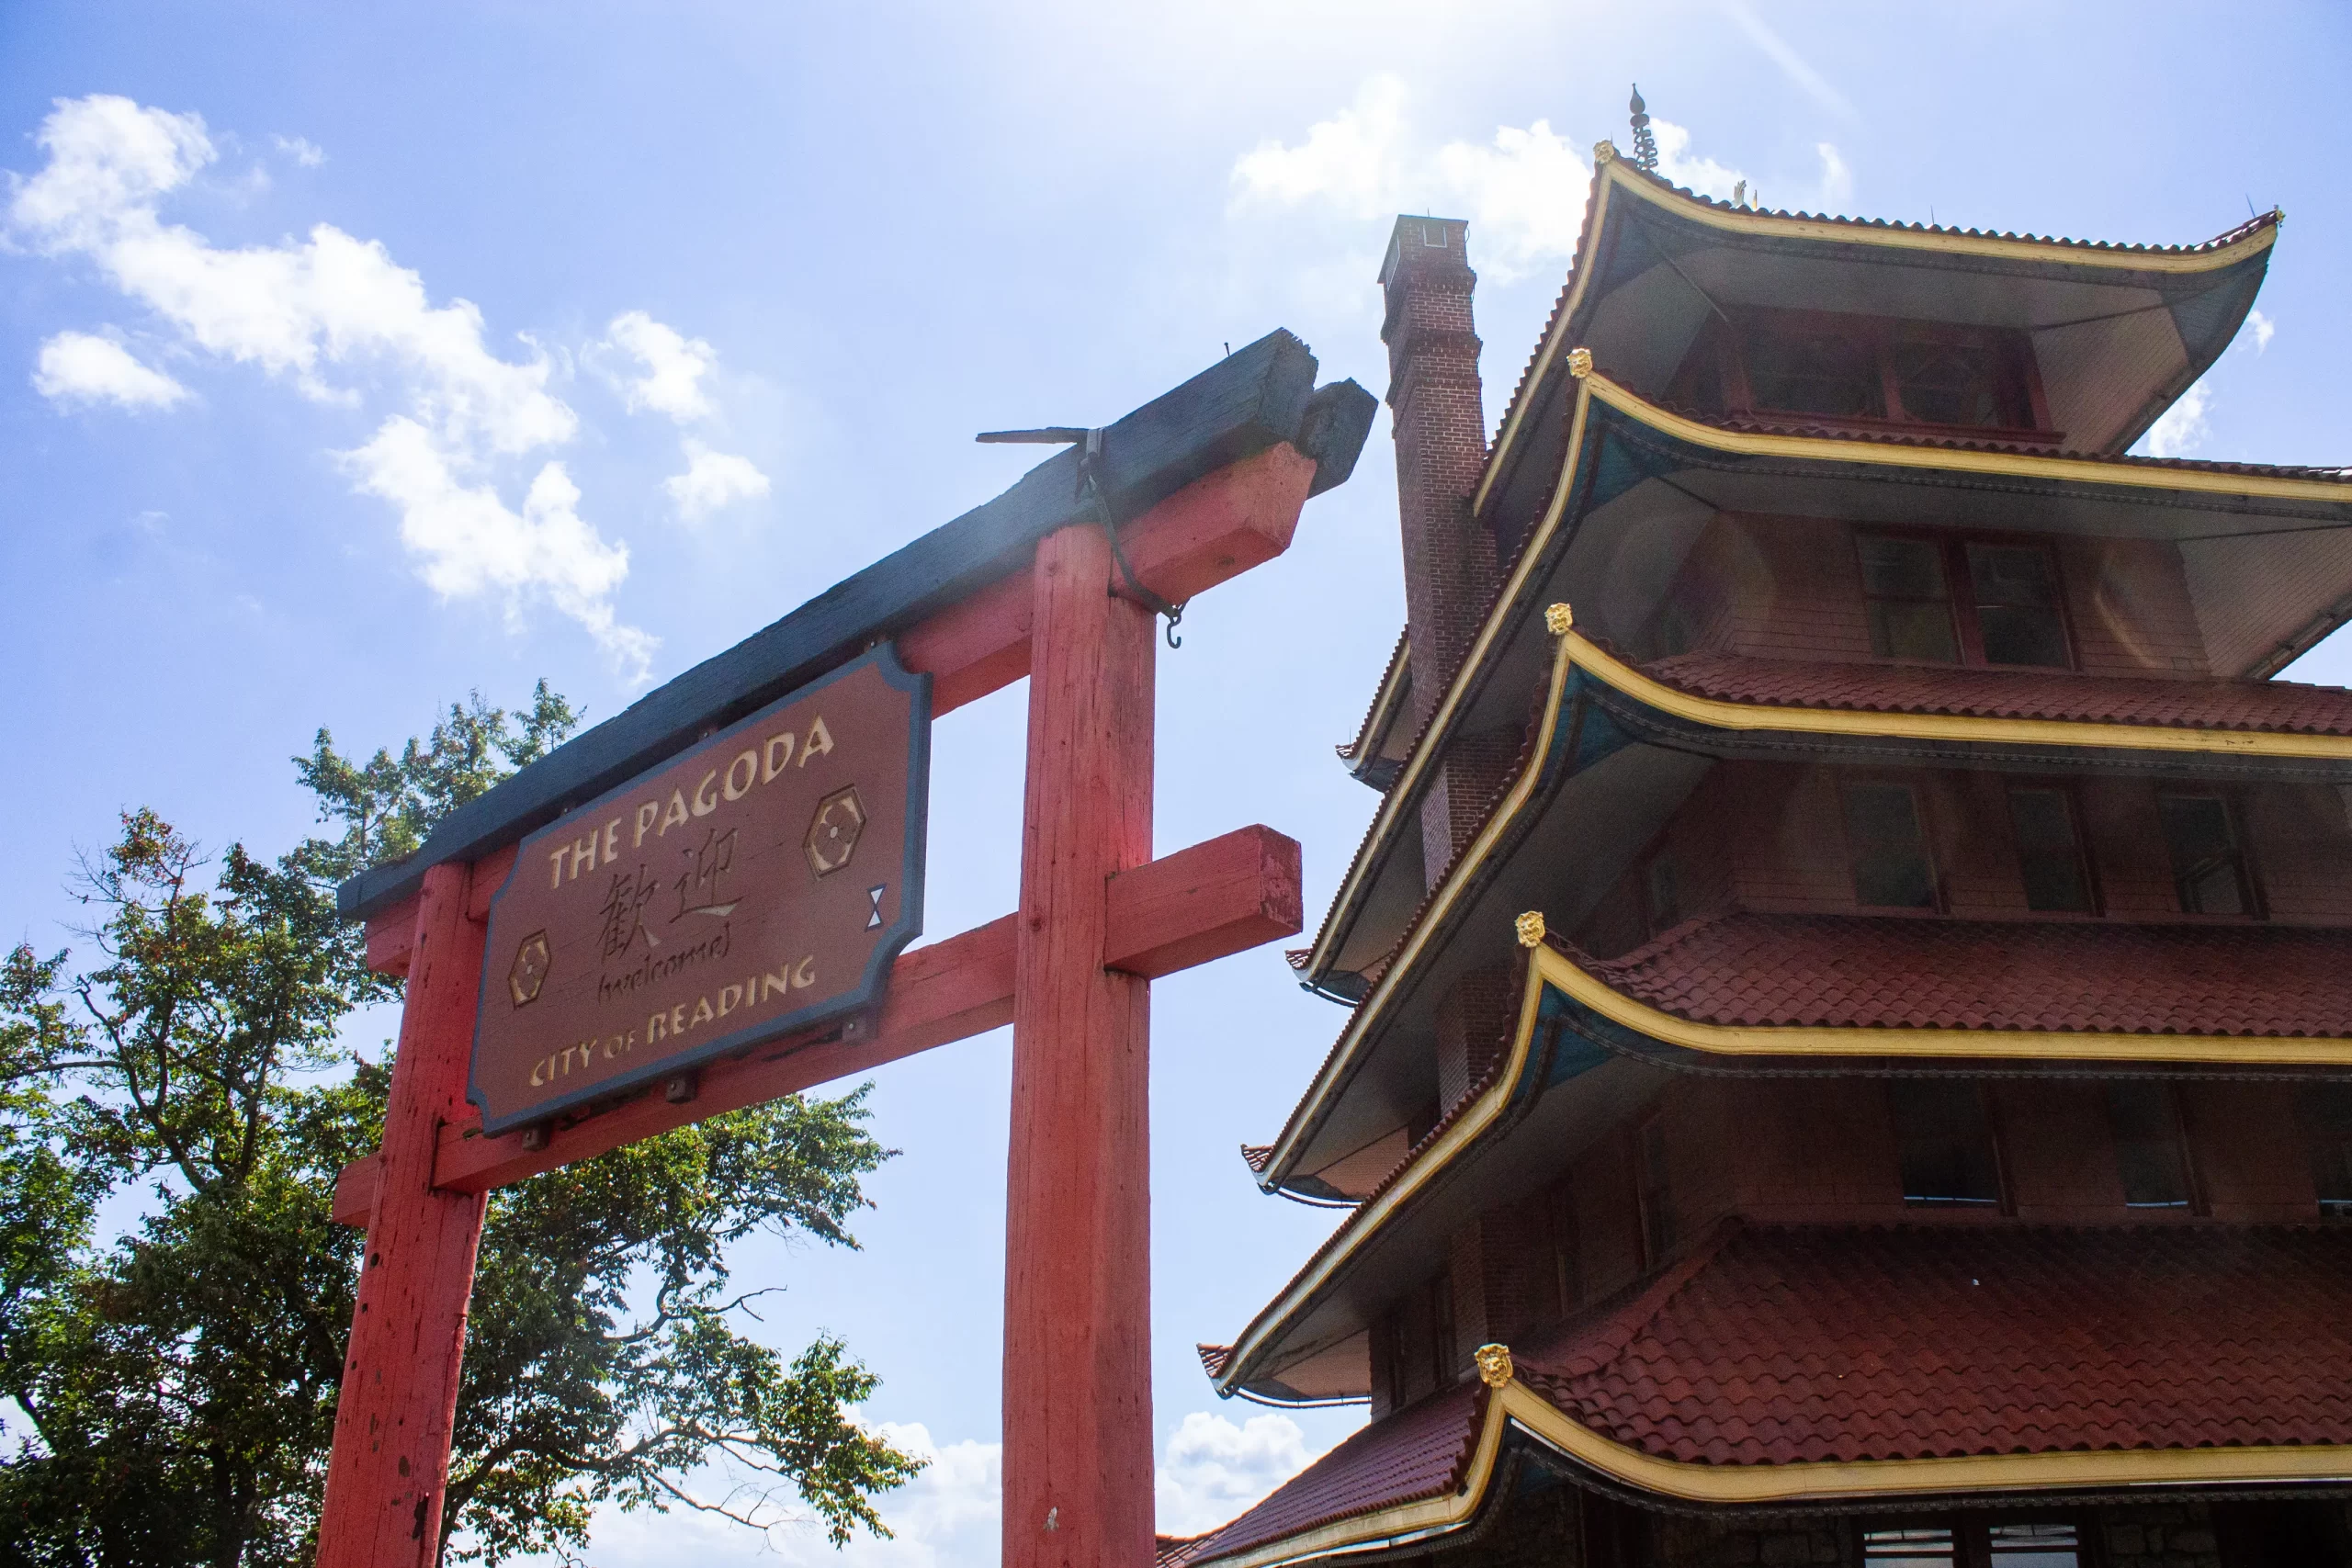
(2008, 609)
(2209, 862)
(2050, 849)
(1654, 1190)
(1864, 371)
(1944, 1140)
(1887, 848)
(2151, 1149)
(2327, 1128)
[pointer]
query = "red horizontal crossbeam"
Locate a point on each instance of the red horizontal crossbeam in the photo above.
(1223, 897)
(1214, 528)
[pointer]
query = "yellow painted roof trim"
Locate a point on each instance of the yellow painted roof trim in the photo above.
(1565, 975)
(1393, 803)
(1549, 967)
(1614, 173)
(1594, 387)
(1497, 822)
(1955, 460)
(1515, 1403)
(1717, 714)
(1821, 1480)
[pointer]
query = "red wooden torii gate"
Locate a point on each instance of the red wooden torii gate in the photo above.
(1027, 586)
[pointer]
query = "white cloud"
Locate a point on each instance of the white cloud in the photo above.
(75, 367)
(1351, 160)
(1213, 1471)
(713, 480)
(1523, 191)
(1524, 195)
(1677, 162)
(302, 148)
(2182, 428)
(674, 367)
(329, 302)
(2264, 329)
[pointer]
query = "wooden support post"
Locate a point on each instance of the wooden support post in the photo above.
(391, 1464)
(1078, 1456)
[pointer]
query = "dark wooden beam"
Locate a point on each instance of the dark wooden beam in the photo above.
(1260, 397)
(1214, 528)
(1223, 897)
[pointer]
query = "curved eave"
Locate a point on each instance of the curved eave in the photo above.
(1617, 184)
(1366, 757)
(2297, 499)
(1517, 1410)
(1642, 697)
(1571, 1019)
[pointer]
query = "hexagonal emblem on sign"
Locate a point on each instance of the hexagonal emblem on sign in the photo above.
(529, 970)
(832, 834)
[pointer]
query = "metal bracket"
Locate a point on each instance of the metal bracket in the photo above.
(1090, 487)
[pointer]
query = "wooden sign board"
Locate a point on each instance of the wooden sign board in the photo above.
(757, 884)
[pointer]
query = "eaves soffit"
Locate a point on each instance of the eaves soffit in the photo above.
(1636, 221)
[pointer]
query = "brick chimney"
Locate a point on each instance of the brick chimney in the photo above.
(1449, 568)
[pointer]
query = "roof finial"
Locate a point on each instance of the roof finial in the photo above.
(1644, 144)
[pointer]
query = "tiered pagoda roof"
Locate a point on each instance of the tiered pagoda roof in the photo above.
(1776, 1364)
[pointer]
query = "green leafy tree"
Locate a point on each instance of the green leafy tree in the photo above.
(177, 1383)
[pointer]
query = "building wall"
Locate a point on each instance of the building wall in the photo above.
(1772, 836)
(1784, 587)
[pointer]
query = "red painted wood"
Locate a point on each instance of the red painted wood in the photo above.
(1216, 527)
(1223, 897)
(1078, 1461)
(390, 1461)
(1217, 899)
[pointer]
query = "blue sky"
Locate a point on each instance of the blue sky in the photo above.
(354, 358)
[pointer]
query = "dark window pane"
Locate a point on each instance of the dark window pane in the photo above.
(1817, 372)
(2208, 869)
(2327, 1120)
(2147, 1145)
(1910, 609)
(1659, 894)
(2034, 1546)
(1951, 383)
(1907, 1549)
(1945, 1141)
(1892, 869)
(2017, 605)
(2048, 853)
(1656, 1192)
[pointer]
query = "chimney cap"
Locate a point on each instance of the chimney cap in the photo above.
(1446, 238)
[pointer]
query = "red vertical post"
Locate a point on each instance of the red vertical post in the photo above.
(391, 1464)
(1078, 1453)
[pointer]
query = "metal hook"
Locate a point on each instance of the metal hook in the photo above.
(1090, 487)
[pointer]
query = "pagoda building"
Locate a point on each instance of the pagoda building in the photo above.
(1850, 1043)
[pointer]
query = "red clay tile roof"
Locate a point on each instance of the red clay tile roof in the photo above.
(1784, 1345)
(2278, 707)
(1212, 1356)
(1781, 1344)
(1893, 971)
(1417, 1452)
